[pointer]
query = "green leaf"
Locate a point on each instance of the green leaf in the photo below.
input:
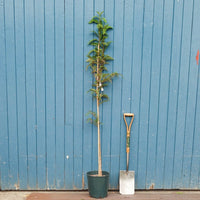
(115, 74)
(91, 113)
(104, 84)
(104, 31)
(103, 68)
(87, 67)
(91, 51)
(93, 119)
(99, 26)
(93, 41)
(106, 44)
(109, 27)
(104, 37)
(94, 20)
(92, 91)
(95, 33)
(100, 13)
(108, 77)
(104, 19)
(104, 98)
(89, 120)
(107, 57)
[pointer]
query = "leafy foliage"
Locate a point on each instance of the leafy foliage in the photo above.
(97, 59)
(93, 119)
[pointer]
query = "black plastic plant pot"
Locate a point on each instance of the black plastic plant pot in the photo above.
(98, 185)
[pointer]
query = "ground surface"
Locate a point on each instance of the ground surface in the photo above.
(154, 195)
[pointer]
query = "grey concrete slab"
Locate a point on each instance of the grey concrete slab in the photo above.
(139, 195)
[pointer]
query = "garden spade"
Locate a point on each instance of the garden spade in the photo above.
(127, 178)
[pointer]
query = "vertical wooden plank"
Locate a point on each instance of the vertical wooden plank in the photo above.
(69, 92)
(107, 106)
(50, 92)
(99, 6)
(145, 92)
(116, 87)
(172, 94)
(136, 80)
(4, 166)
(164, 87)
(194, 176)
(182, 94)
(195, 179)
(195, 160)
(30, 94)
(12, 93)
(59, 28)
(191, 106)
(40, 93)
(126, 80)
(78, 93)
(87, 128)
(154, 91)
(21, 93)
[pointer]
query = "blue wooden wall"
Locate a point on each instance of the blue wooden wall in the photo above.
(45, 142)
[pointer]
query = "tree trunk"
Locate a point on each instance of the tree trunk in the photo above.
(99, 142)
(98, 122)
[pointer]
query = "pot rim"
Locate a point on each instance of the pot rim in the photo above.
(95, 172)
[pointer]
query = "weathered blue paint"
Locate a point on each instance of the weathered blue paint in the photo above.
(182, 95)
(69, 92)
(59, 81)
(50, 93)
(45, 140)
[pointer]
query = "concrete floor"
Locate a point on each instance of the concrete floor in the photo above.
(139, 195)
(13, 195)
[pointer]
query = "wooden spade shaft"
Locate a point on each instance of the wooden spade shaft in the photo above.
(128, 130)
